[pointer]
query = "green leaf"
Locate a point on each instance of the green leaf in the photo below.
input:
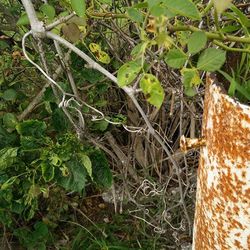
(48, 171)
(157, 11)
(85, 160)
(175, 58)
(190, 77)
(59, 121)
(211, 59)
(9, 120)
(48, 10)
(9, 95)
(242, 17)
(79, 6)
(152, 3)
(23, 20)
(135, 15)
(184, 8)
(127, 73)
(153, 90)
(31, 128)
(197, 42)
(8, 156)
(76, 178)
(100, 167)
(221, 5)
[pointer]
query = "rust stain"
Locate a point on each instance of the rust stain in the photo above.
(191, 143)
(222, 216)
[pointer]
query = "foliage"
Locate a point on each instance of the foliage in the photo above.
(44, 160)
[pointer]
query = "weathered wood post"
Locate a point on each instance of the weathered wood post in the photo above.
(222, 216)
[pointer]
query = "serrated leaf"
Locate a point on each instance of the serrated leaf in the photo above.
(221, 5)
(48, 171)
(197, 42)
(48, 10)
(184, 8)
(9, 95)
(211, 59)
(127, 73)
(153, 90)
(175, 58)
(87, 164)
(135, 15)
(79, 6)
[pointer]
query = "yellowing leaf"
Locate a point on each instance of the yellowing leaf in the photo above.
(221, 5)
(94, 47)
(127, 73)
(190, 77)
(100, 55)
(152, 89)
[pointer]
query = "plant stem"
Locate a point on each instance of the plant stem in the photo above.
(210, 35)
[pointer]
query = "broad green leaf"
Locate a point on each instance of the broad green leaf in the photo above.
(139, 49)
(10, 120)
(76, 178)
(87, 164)
(176, 58)
(9, 95)
(23, 20)
(48, 171)
(157, 11)
(152, 3)
(127, 73)
(197, 42)
(33, 128)
(48, 10)
(183, 7)
(79, 6)
(190, 77)
(153, 90)
(8, 156)
(221, 5)
(135, 15)
(101, 172)
(190, 91)
(211, 59)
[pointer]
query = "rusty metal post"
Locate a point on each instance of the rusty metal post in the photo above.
(222, 216)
